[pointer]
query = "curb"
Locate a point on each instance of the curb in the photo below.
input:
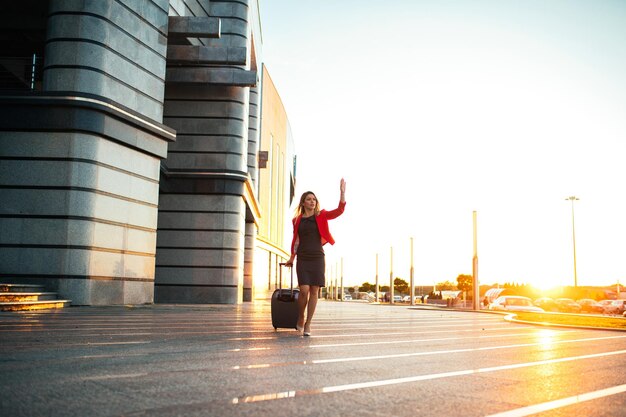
(511, 318)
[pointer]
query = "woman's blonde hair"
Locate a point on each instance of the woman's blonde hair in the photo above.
(300, 209)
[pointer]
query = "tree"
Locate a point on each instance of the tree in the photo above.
(400, 285)
(367, 287)
(445, 286)
(435, 295)
(465, 282)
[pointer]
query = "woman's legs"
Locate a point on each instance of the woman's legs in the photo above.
(303, 299)
(312, 303)
(307, 300)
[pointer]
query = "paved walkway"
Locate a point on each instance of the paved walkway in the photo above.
(362, 360)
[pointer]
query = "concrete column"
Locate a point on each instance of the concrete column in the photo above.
(111, 49)
(200, 246)
(248, 279)
(253, 136)
(206, 197)
(81, 168)
(202, 213)
(79, 198)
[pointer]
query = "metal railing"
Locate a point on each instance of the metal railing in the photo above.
(21, 73)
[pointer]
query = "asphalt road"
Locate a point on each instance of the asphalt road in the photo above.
(361, 360)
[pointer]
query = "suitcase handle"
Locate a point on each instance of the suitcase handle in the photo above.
(280, 281)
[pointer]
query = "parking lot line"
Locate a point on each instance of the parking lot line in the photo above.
(412, 354)
(438, 339)
(563, 402)
(414, 378)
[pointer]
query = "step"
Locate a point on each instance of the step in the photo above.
(34, 305)
(10, 297)
(20, 288)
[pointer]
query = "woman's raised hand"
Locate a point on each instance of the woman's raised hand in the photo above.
(342, 188)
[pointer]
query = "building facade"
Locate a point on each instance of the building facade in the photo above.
(208, 208)
(276, 186)
(129, 135)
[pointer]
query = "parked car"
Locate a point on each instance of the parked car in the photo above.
(621, 305)
(587, 305)
(347, 297)
(514, 303)
(613, 306)
(567, 305)
(407, 299)
(396, 298)
(546, 303)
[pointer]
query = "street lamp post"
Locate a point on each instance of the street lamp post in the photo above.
(377, 290)
(391, 289)
(341, 290)
(411, 273)
(572, 199)
(475, 284)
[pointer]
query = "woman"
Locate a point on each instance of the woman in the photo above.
(310, 233)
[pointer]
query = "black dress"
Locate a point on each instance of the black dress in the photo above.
(311, 264)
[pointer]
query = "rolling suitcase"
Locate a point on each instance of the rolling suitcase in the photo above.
(285, 304)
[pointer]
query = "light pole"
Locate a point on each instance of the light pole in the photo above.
(391, 276)
(377, 291)
(341, 290)
(475, 285)
(412, 273)
(573, 198)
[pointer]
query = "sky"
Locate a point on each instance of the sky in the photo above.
(434, 109)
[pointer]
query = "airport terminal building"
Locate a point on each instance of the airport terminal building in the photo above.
(133, 167)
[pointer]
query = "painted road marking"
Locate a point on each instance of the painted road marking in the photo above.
(103, 377)
(393, 342)
(556, 333)
(82, 327)
(415, 378)
(438, 352)
(411, 354)
(563, 402)
(139, 342)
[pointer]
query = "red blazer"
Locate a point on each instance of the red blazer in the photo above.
(322, 224)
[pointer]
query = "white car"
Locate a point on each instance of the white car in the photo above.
(514, 303)
(613, 306)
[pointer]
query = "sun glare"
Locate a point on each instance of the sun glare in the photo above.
(543, 285)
